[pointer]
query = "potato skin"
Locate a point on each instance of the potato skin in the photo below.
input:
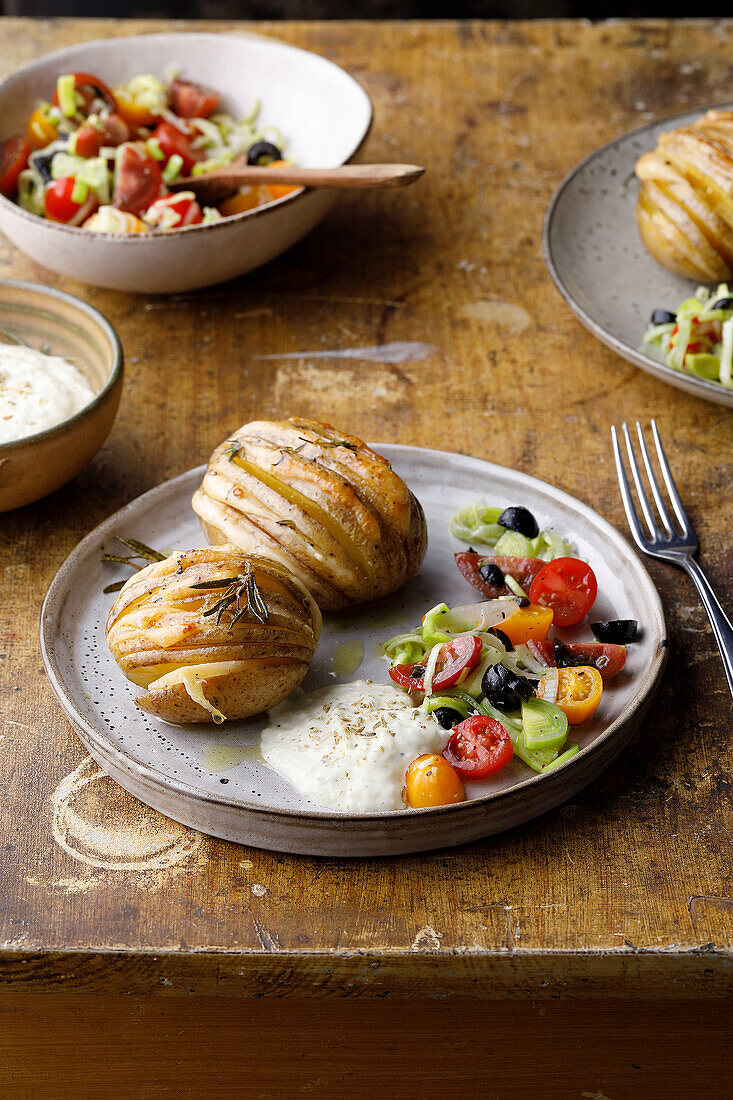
(158, 624)
(685, 207)
(321, 503)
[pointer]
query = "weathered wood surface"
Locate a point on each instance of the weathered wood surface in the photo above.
(625, 891)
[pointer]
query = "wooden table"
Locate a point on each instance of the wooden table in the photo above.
(621, 897)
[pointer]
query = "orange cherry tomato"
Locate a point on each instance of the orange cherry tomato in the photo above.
(40, 130)
(431, 781)
(579, 692)
(277, 190)
(247, 198)
(527, 624)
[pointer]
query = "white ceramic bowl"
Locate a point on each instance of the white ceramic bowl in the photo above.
(323, 113)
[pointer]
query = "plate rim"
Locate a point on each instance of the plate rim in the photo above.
(700, 387)
(145, 773)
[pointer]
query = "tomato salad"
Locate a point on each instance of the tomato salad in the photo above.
(102, 158)
(491, 672)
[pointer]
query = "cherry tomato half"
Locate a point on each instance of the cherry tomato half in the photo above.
(193, 100)
(431, 781)
(455, 660)
(173, 142)
(473, 566)
(478, 746)
(41, 131)
(110, 131)
(90, 88)
(14, 155)
(173, 211)
(579, 692)
(607, 657)
(61, 207)
(527, 623)
(568, 586)
(138, 180)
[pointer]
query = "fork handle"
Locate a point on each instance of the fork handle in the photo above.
(721, 624)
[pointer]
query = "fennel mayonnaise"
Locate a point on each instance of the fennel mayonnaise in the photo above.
(37, 391)
(347, 746)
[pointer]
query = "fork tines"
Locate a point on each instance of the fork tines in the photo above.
(676, 538)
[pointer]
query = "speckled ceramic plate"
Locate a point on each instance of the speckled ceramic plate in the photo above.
(210, 777)
(600, 266)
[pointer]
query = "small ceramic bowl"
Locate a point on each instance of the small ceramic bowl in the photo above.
(58, 324)
(322, 112)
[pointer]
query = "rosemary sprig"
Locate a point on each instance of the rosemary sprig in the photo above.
(141, 552)
(323, 444)
(242, 592)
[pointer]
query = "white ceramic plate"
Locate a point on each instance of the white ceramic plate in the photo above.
(209, 776)
(600, 266)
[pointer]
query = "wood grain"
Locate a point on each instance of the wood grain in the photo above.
(58, 1047)
(625, 890)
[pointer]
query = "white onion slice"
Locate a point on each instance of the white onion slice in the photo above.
(482, 616)
(548, 685)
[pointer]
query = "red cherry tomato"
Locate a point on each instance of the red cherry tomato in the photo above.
(193, 100)
(90, 88)
(568, 586)
(61, 207)
(14, 155)
(524, 570)
(455, 660)
(172, 141)
(138, 180)
(173, 211)
(89, 139)
(607, 657)
(478, 746)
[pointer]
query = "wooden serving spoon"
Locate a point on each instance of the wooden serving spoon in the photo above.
(213, 187)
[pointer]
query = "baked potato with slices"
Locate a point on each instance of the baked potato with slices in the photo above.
(685, 207)
(320, 503)
(214, 633)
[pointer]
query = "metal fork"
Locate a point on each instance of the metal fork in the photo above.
(677, 545)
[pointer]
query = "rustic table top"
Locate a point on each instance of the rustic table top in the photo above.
(626, 890)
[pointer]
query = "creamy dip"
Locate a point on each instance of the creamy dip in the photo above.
(347, 746)
(37, 391)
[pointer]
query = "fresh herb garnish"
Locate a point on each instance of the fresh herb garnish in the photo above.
(141, 552)
(232, 449)
(242, 592)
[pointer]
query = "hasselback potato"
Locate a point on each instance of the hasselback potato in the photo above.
(213, 633)
(321, 503)
(685, 207)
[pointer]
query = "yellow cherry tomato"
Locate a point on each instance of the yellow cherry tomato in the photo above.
(579, 692)
(431, 781)
(527, 624)
(40, 130)
(277, 190)
(134, 114)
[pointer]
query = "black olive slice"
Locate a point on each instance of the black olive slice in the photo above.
(447, 717)
(663, 317)
(616, 631)
(262, 152)
(520, 519)
(722, 303)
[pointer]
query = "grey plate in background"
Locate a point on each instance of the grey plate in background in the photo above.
(179, 769)
(596, 257)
